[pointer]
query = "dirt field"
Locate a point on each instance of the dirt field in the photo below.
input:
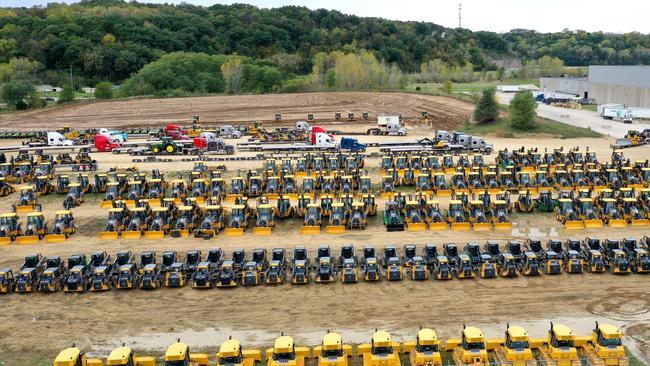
(446, 113)
(38, 326)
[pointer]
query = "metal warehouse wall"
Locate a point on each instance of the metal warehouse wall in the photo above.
(576, 86)
(637, 76)
(631, 96)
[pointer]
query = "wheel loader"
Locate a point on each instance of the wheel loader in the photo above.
(10, 228)
(425, 349)
(124, 356)
(514, 349)
(470, 349)
(332, 351)
(611, 215)
(381, 351)
(559, 348)
(178, 191)
(73, 356)
(338, 219)
(232, 353)
(35, 229)
(213, 222)
(312, 221)
(138, 223)
(5, 188)
(605, 346)
(567, 215)
(285, 353)
(160, 223)
(113, 194)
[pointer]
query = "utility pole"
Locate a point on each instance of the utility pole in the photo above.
(460, 8)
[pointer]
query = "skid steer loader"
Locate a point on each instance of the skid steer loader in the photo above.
(212, 223)
(470, 349)
(456, 216)
(381, 351)
(312, 221)
(264, 220)
(160, 223)
(238, 221)
(478, 217)
(35, 229)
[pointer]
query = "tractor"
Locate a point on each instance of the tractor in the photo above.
(42, 185)
(312, 219)
(165, 145)
(35, 229)
(63, 227)
(138, 223)
(525, 202)
(565, 213)
(27, 201)
(160, 223)
(500, 216)
(75, 196)
(212, 223)
(264, 220)
(238, 220)
(117, 220)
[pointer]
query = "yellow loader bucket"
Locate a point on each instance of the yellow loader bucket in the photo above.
(179, 233)
(54, 238)
(108, 235)
(28, 239)
(262, 231)
(131, 234)
(310, 230)
(154, 234)
(200, 200)
(334, 229)
(482, 226)
(232, 197)
(503, 225)
(272, 196)
(460, 226)
(450, 170)
(386, 195)
(292, 196)
(438, 226)
(426, 193)
(129, 203)
(154, 202)
(24, 209)
(617, 223)
(598, 189)
(107, 204)
(5, 240)
(641, 222)
(443, 192)
(301, 174)
(493, 191)
(463, 190)
(593, 223)
(177, 201)
(528, 169)
(419, 226)
(234, 231)
(207, 232)
(574, 225)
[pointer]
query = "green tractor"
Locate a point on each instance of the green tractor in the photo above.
(166, 145)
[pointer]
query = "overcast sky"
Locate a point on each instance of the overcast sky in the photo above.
(496, 15)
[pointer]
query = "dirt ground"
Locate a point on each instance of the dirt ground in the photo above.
(38, 326)
(446, 113)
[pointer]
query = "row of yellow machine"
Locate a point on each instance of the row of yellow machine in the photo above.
(561, 347)
(26, 167)
(100, 273)
(36, 228)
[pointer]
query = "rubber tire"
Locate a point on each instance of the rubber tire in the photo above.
(156, 150)
(170, 149)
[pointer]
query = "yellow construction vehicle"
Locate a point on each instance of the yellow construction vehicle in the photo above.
(74, 357)
(312, 222)
(434, 217)
(338, 219)
(425, 349)
(35, 229)
(238, 221)
(456, 216)
(440, 186)
(478, 217)
(514, 349)
(264, 220)
(387, 186)
(633, 214)
(470, 349)
(231, 353)
(124, 356)
(332, 351)
(138, 223)
(42, 185)
(525, 202)
(566, 214)
(414, 217)
(160, 223)
(117, 219)
(588, 213)
(285, 353)
(10, 228)
(605, 346)
(369, 204)
(382, 351)
(5, 188)
(358, 217)
(560, 347)
(27, 201)
(179, 354)
(610, 212)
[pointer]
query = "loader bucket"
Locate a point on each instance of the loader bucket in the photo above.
(443, 192)
(200, 200)
(460, 226)
(503, 225)
(232, 197)
(131, 234)
(5, 240)
(463, 190)
(107, 204)
(450, 170)
(154, 202)
(129, 203)
(108, 235)
(27, 239)
(598, 189)
(420, 226)
(292, 196)
(334, 229)
(301, 174)
(386, 195)
(179, 233)
(54, 238)
(528, 169)
(272, 196)
(177, 201)
(493, 191)
(310, 230)
(24, 209)
(577, 224)
(482, 226)
(262, 231)
(234, 231)
(154, 234)
(438, 226)
(617, 223)
(593, 223)
(208, 232)
(641, 222)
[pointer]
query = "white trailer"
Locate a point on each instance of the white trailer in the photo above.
(388, 125)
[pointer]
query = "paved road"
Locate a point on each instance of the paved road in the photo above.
(581, 118)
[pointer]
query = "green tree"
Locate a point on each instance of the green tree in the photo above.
(232, 72)
(330, 78)
(487, 109)
(67, 95)
(500, 73)
(522, 111)
(104, 90)
(16, 94)
(447, 87)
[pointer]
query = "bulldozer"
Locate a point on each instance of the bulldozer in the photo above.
(35, 229)
(75, 196)
(285, 353)
(514, 349)
(381, 351)
(312, 221)
(477, 216)
(425, 349)
(186, 221)
(160, 223)
(179, 354)
(525, 202)
(566, 214)
(124, 356)
(238, 221)
(589, 214)
(138, 223)
(264, 220)
(471, 349)
(605, 346)
(27, 201)
(231, 352)
(338, 219)
(73, 356)
(212, 223)
(559, 348)
(10, 228)
(332, 351)
(633, 214)
(611, 215)
(456, 216)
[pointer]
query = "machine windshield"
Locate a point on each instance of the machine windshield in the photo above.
(611, 342)
(427, 348)
(284, 356)
(474, 345)
(333, 353)
(519, 345)
(382, 350)
(230, 360)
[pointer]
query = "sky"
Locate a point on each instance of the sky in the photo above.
(496, 15)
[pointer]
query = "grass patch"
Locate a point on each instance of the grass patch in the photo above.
(502, 128)
(590, 107)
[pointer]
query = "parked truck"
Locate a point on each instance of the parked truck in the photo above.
(208, 142)
(228, 131)
(388, 125)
